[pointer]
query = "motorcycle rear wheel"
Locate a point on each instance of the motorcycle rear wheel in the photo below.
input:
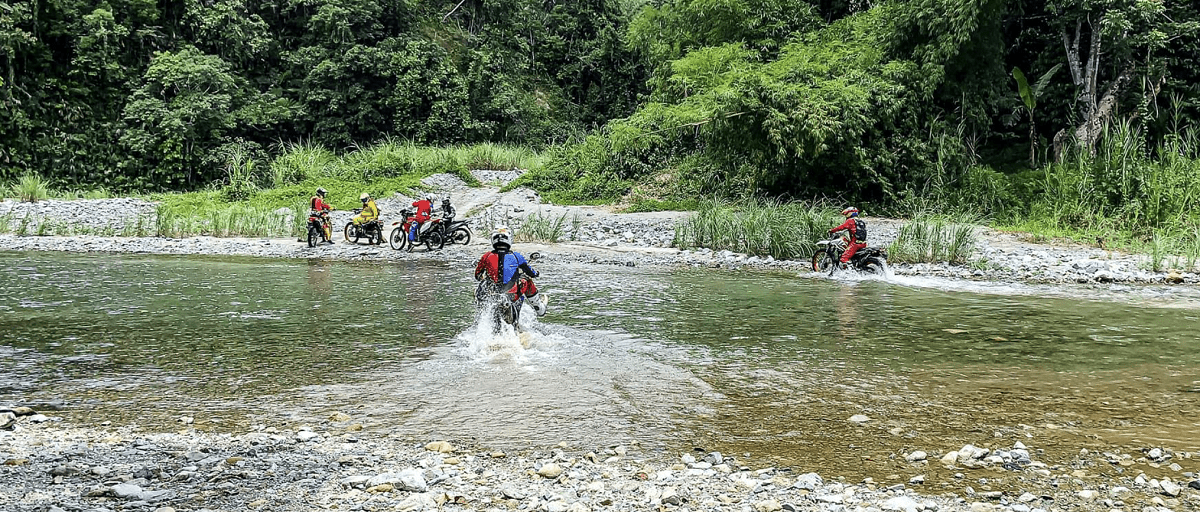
(873, 265)
(398, 239)
(462, 235)
(312, 236)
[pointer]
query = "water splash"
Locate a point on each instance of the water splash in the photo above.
(481, 342)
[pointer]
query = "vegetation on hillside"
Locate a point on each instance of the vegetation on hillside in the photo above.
(1065, 117)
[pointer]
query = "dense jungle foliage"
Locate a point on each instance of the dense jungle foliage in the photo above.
(139, 94)
(1077, 114)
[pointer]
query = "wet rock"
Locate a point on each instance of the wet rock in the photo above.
(916, 456)
(305, 436)
(1194, 484)
(859, 418)
(1170, 488)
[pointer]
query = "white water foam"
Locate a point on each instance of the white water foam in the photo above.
(479, 343)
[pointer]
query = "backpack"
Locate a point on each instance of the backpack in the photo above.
(860, 230)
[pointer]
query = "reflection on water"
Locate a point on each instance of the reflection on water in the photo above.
(766, 363)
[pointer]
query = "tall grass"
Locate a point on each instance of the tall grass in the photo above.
(933, 239)
(760, 228)
(1125, 185)
(237, 220)
(30, 188)
(539, 227)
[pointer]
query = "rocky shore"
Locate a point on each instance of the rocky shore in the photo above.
(337, 465)
(589, 235)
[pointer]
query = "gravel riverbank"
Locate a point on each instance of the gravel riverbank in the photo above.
(337, 465)
(589, 235)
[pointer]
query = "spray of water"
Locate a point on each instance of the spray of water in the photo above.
(486, 341)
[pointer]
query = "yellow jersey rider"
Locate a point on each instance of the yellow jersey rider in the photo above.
(369, 212)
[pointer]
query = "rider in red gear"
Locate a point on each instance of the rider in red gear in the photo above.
(424, 212)
(318, 204)
(856, 233)
(509, 271)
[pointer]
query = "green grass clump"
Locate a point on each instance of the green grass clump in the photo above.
(538, 227)
(30, 188)
(933, 239)
(760, 228)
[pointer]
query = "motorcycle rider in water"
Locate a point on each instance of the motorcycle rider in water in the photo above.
(500, 268)
(421, 218)
(856, 230)
(318, 204)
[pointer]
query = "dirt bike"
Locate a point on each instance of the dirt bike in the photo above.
(372, 230)
(829, 254)
(318, 225)
(456, 231)
(498, 306)
(430, 234)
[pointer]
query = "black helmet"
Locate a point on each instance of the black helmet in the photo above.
(321, 191)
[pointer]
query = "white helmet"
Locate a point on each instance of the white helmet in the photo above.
(430, 197)
(501, 236)
(365, 196)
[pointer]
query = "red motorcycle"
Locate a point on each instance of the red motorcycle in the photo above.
(430, 234)
(319, 227)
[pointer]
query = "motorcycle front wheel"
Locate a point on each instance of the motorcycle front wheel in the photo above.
(821, 261)
(352, 234)
(462, 235)
(398, 239)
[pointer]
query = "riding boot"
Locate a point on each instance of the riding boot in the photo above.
(538, 303)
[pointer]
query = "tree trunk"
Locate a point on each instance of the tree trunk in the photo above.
(1093, 113)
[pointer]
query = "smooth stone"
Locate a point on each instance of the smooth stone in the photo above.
(916, 456)
(440, 447)
(859, 418)
(550, 470)
(1170, 488)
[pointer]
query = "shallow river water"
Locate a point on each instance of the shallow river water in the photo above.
(765, 365)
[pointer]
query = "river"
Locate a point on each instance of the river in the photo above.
(766, 365)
